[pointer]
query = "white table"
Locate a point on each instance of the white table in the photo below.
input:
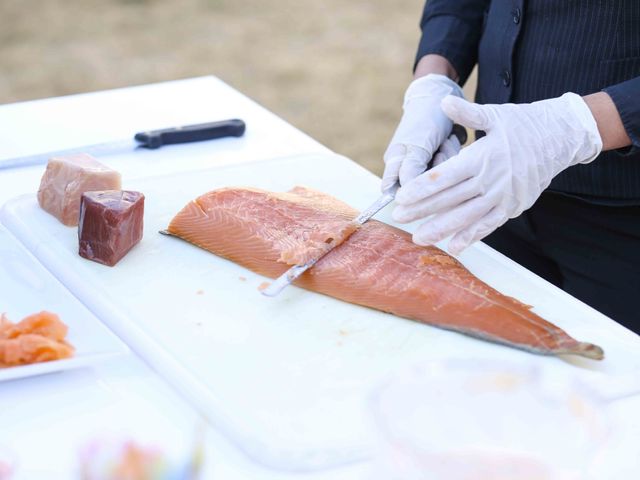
(43, 419)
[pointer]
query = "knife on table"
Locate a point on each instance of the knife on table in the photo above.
(150, 139)
(288, 277)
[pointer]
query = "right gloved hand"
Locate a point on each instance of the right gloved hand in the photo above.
(423, 129)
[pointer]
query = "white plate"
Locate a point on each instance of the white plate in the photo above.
(25, 288)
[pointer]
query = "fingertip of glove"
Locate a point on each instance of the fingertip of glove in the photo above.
(388, 183)
(397, 216)
(451, 100)
(404, 179)
(451, 104)
(407, 175)
(401, 196)
(402, 214)
(409, 192)
(424, 236)
(456, 247)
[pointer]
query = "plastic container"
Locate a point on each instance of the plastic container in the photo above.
(7, 464)
(466, 420)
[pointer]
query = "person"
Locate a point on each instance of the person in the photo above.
(553, 178)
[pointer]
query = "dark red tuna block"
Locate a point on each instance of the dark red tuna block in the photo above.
(110, 224)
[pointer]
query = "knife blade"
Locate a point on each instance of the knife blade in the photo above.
(288, 277)
(152, 139)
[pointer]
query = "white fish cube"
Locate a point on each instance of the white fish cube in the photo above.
(67, 178)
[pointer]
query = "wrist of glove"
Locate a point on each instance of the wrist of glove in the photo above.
(423, 129)
(502, 174)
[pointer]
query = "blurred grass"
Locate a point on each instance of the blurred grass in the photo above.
(335, 69)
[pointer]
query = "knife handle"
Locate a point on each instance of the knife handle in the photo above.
(191, 133)
(460, 132)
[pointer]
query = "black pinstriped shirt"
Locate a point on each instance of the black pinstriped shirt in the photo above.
(529, 50)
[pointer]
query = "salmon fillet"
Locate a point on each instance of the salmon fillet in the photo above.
(376, 265)
(37, 338)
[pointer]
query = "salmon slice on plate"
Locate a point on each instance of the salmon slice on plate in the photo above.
(375, 265)
(37, 338)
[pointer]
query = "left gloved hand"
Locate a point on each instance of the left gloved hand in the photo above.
(502, 174)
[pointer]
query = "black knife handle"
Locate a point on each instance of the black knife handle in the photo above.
(460, 132)
(191, 133)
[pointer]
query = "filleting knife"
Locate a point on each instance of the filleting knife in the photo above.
(288, 277)
(150, 139)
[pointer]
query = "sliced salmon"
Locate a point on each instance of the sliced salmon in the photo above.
(42, 323)
(37, 338)
(31, 348)
(376, 265)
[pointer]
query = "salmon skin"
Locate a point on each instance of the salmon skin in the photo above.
(376, 265)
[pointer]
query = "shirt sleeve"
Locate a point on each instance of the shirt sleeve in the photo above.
(626, 97)
(452, 28)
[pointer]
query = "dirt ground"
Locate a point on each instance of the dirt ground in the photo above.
(335, 69)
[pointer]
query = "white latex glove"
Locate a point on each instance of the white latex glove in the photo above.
(502, 174)
(423, 129)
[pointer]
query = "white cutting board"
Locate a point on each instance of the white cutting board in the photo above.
(26, 288)
(287, 378)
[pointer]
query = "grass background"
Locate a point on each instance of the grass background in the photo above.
(333, 68)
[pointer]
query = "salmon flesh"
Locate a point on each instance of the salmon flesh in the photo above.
(37, 338)
(375, 265)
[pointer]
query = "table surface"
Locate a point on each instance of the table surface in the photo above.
(125, 394)
(46, 418)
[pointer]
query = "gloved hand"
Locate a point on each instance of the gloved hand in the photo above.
(502, 174)
(423, 129)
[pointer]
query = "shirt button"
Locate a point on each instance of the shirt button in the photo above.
(506, 78)
(516, 16)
